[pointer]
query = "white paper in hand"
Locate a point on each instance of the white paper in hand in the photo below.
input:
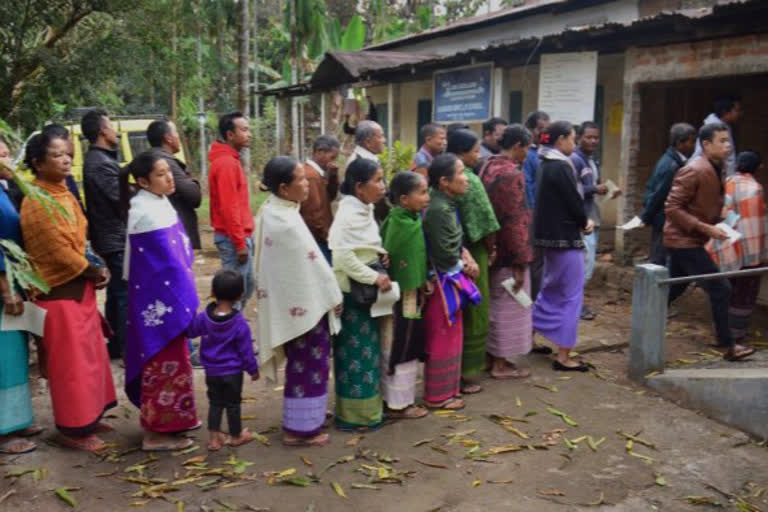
(612, 189)
(636, 222)
(733, 235)
(32, 320)
(520, 296)
(386, 301)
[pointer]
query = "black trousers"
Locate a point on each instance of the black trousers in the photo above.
(658, 251)
(225, 394)
(689, 262)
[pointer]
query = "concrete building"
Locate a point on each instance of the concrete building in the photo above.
(658, 62)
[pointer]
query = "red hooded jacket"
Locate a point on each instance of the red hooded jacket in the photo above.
(228, 187)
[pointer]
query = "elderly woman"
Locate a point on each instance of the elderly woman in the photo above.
(297, 295)
(479, 225)
(510, 326)
(745, 208)
(74, 354)
(359, 261)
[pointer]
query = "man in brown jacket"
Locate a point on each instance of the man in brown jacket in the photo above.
(322, 174)
(693, 209)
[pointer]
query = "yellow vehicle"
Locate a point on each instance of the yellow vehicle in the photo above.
(132, 137)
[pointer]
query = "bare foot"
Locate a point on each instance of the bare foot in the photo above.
(244, 437)
(90, 443)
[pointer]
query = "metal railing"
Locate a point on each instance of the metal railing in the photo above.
(710, 277)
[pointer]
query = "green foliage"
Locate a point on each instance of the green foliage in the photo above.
(397, 159)
(18, 269)
(353, 37)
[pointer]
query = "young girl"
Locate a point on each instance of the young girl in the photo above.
(226, 351)
(297, 295)
(162, 301)
(403, 335)
(443, 317)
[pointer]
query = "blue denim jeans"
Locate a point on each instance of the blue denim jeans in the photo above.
(116, 308)
(590, 241)
(228, 255)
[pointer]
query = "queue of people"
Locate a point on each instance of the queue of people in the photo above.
(481, 265)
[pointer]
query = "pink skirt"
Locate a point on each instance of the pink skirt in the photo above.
(510, 329)
(442, 371)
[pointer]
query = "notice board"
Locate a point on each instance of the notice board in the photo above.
(567, 83)
(463, 94)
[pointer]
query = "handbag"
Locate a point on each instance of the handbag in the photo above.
(366, 294)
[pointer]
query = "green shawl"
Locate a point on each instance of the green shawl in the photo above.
(443, 231)
(477, 216)
(404, 241)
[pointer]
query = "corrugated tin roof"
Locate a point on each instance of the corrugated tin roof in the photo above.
(351, 66)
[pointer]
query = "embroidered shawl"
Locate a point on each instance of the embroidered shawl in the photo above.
(296, 286)
(162, 297)
(403, 239)
(354, 227)
(478, 219)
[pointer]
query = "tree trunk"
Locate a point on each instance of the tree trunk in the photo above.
(243, 71)
(256, 61)
(200, 99)
(294, 79)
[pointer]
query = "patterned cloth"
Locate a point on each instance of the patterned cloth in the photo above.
(476, 318)
(743, 197)
(356, 368)
(442, 372)
(167, 390)
(511, 325)
(305, 396)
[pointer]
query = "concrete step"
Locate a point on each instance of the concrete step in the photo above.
(734, 396)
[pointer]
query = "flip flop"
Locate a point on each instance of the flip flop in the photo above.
(181, 444)
(738, 355)
(471, 388)
(517, 373)
(318, 440)
(17, 446)
(412, 412)
(89, 443)
(30, 431)
(244, 438)
(452, 404)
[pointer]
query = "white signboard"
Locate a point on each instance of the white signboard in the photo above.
(567, 83)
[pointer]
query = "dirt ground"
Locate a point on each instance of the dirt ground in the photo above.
(463, 461)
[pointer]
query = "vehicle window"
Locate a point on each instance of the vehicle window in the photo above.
(138, 143)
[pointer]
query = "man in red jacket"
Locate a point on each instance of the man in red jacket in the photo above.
(231, 215)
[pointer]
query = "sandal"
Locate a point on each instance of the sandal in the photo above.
(471, 388)
(512, 373)
(412, 412)
(17, 446)
(89, 443)
(244, 437)
(738, 352)
(452, 404)
(172, 446)
(216, 443)
(560, 367)
(30, 431)
(318, 440)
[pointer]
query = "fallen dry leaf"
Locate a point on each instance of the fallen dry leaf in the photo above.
(551, 492)
(431, 464)
(338, 490)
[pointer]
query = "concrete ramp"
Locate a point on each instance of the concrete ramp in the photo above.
(734, 396)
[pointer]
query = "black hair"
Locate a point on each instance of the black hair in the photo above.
(708, 131)
(56, 130)
(515, 134)
(680, 132)
(91, 123)
(359, 172)
(442, 166)
(748, 161)
(532, 121)
(228, 284)
(156, 132)
(490, 125)
(37, 148)
(588, 125)
(227, 123)
(456, 126)
(140, 167)
(430, 130)
(461, 141)
(326, 143)
(725, 104)
(279, 171)
(403, 184)
(554, 131)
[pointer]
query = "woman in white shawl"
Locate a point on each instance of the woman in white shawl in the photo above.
(297, 302)
(356, 246)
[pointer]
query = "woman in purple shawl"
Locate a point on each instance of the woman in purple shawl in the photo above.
(162, 302)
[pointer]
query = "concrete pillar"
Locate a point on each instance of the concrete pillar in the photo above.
(283, 112)
(323, 113)
(390, 114)
(649, 321)
(499, 92)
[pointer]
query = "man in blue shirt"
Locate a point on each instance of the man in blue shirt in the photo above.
(537, 122)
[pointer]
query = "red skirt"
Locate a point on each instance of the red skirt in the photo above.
(77, 363)
(168, 391)
(442, 370)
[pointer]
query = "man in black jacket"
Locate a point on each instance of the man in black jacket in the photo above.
(106, 223)
(164, 139)
(682, 142)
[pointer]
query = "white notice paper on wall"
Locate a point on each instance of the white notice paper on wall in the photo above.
(32, 320)
(386, 301)
(567, 84)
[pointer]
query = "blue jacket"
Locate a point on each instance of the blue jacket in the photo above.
(589, 179)
(531, 170)
(658, 187)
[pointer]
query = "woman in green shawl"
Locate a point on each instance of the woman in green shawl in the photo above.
(403, 334)
(479, 224)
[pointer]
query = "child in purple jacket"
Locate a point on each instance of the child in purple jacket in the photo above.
(226, 351)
